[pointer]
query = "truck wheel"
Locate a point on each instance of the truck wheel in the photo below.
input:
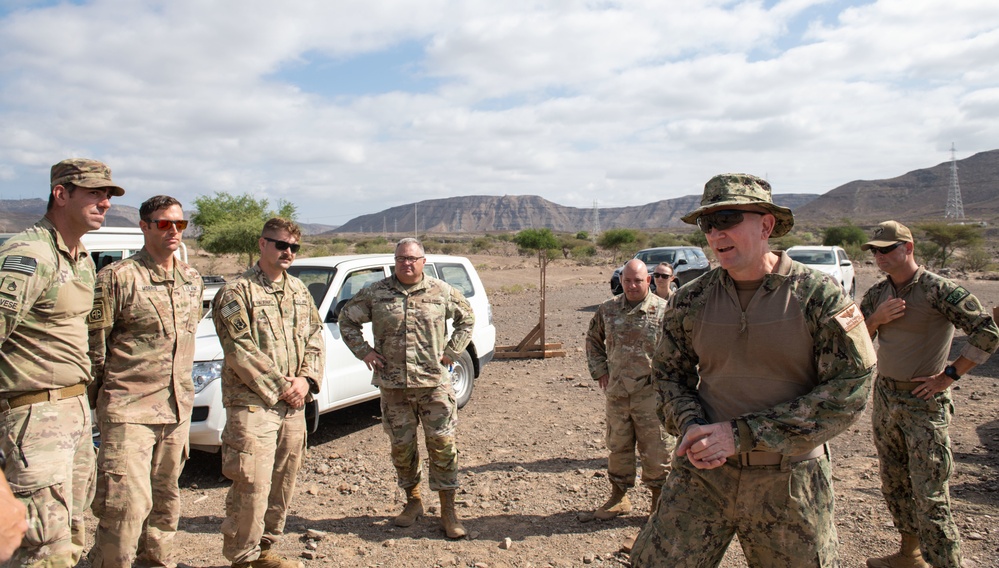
(463, 378)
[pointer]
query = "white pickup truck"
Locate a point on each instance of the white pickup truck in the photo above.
(333, 280)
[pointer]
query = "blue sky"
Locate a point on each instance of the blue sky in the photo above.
(347, 108)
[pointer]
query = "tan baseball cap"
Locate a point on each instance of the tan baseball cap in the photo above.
(725, 190)
(82, 172)
(887, 234)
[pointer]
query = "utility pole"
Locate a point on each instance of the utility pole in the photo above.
(955, 207)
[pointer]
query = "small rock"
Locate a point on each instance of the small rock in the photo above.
(585, 516)
(588, 559)
(506, 544)
(315, 534)
(313, 489)
(975, 536)
(309, 555)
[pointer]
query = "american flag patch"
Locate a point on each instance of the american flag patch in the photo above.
(22, 264)
(230, 309)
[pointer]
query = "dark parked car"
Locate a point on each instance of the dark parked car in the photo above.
(688, 263)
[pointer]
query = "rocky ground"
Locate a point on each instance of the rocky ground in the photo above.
(533, 457)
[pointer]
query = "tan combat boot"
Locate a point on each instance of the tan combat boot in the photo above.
(449, 519)
(908, 556)
(268, 559)
(618, 504)
(413, 509)
(656, 493)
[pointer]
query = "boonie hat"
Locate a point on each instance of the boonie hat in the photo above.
(82, 172)
(725, 190)
(887, 234)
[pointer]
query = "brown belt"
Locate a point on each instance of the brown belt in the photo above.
(753, 459)
(35, 397)
(893, 384)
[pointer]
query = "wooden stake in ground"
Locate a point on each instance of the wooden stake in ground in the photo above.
(533, 346)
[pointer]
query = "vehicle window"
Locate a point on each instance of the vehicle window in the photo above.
(457, 276)
(357, 281)
(106, 257)
(842, 256)
(316, 279)
(812, 257)
(657, 256)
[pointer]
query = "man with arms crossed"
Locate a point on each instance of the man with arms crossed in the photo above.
(913, 312)
(142, 327)
(762, 361)
(271, 336)
(620, 343)
(46, 291)
(408, 312)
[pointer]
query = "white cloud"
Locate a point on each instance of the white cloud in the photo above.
(622, 102)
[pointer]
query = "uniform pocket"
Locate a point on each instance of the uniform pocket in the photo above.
(112, 483)
(237, 458)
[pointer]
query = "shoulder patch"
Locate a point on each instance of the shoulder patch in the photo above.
(234, 318)
(849, 318)
(100, 314)
(955, 297)
(17, 263)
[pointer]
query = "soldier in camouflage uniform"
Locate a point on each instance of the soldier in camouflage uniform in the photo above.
(271, 335)
(46, 290)
(146, 311)
(913, 312)
(408, 312)
(620, 343)
(664, 276)
(762, 361)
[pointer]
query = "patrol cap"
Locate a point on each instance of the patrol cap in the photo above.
(887, 234)
(726, 190)
(82, 172)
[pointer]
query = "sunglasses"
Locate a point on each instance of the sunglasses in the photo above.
(408, 259)
(722, 220)
(884, 250)
(661, 275)
(164, 224)
(283, 245)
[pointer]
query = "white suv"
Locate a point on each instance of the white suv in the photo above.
(333, 280)
(831, 260)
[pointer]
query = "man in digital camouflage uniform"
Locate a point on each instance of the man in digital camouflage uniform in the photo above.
(620, 343)
(46, 291)
(663, 276)
(142, 327)
(913, 312)
(271, 336)
(762, 362)
(408, 312)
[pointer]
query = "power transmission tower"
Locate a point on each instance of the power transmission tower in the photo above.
(596, 220)
(955, 208)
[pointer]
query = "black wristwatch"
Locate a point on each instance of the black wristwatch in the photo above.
(950, 371)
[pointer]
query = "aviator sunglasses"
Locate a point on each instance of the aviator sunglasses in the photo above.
(283, 245)
(661, 275)
(721, 220)
(164, 224)
(884, 250)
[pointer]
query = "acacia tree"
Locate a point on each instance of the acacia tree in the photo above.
(536, 239)
(950, 238)
(232, 224)
(614, 239)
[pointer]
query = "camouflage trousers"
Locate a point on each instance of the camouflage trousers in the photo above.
(784, 517)
(262, 451)
(913, 442)
(50, 468)
(402, 412)
(138, 500)
(631, 421)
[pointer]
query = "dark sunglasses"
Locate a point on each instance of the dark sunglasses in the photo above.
(722, 220)
(283, 245)
(164, 224)
(661, 275)
(884, 250)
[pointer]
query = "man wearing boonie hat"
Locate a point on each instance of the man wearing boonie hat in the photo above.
(913, 313)
(46, 291)
(762, 361)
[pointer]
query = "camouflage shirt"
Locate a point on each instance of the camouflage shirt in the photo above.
(45, 295)
(268, 332)
(918, 343)
(622, 340)
(410, 331)
(839, 358)
(142, 331)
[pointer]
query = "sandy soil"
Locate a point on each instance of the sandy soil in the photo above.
(533, 457)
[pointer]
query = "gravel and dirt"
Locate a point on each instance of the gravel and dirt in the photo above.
(533, 457)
